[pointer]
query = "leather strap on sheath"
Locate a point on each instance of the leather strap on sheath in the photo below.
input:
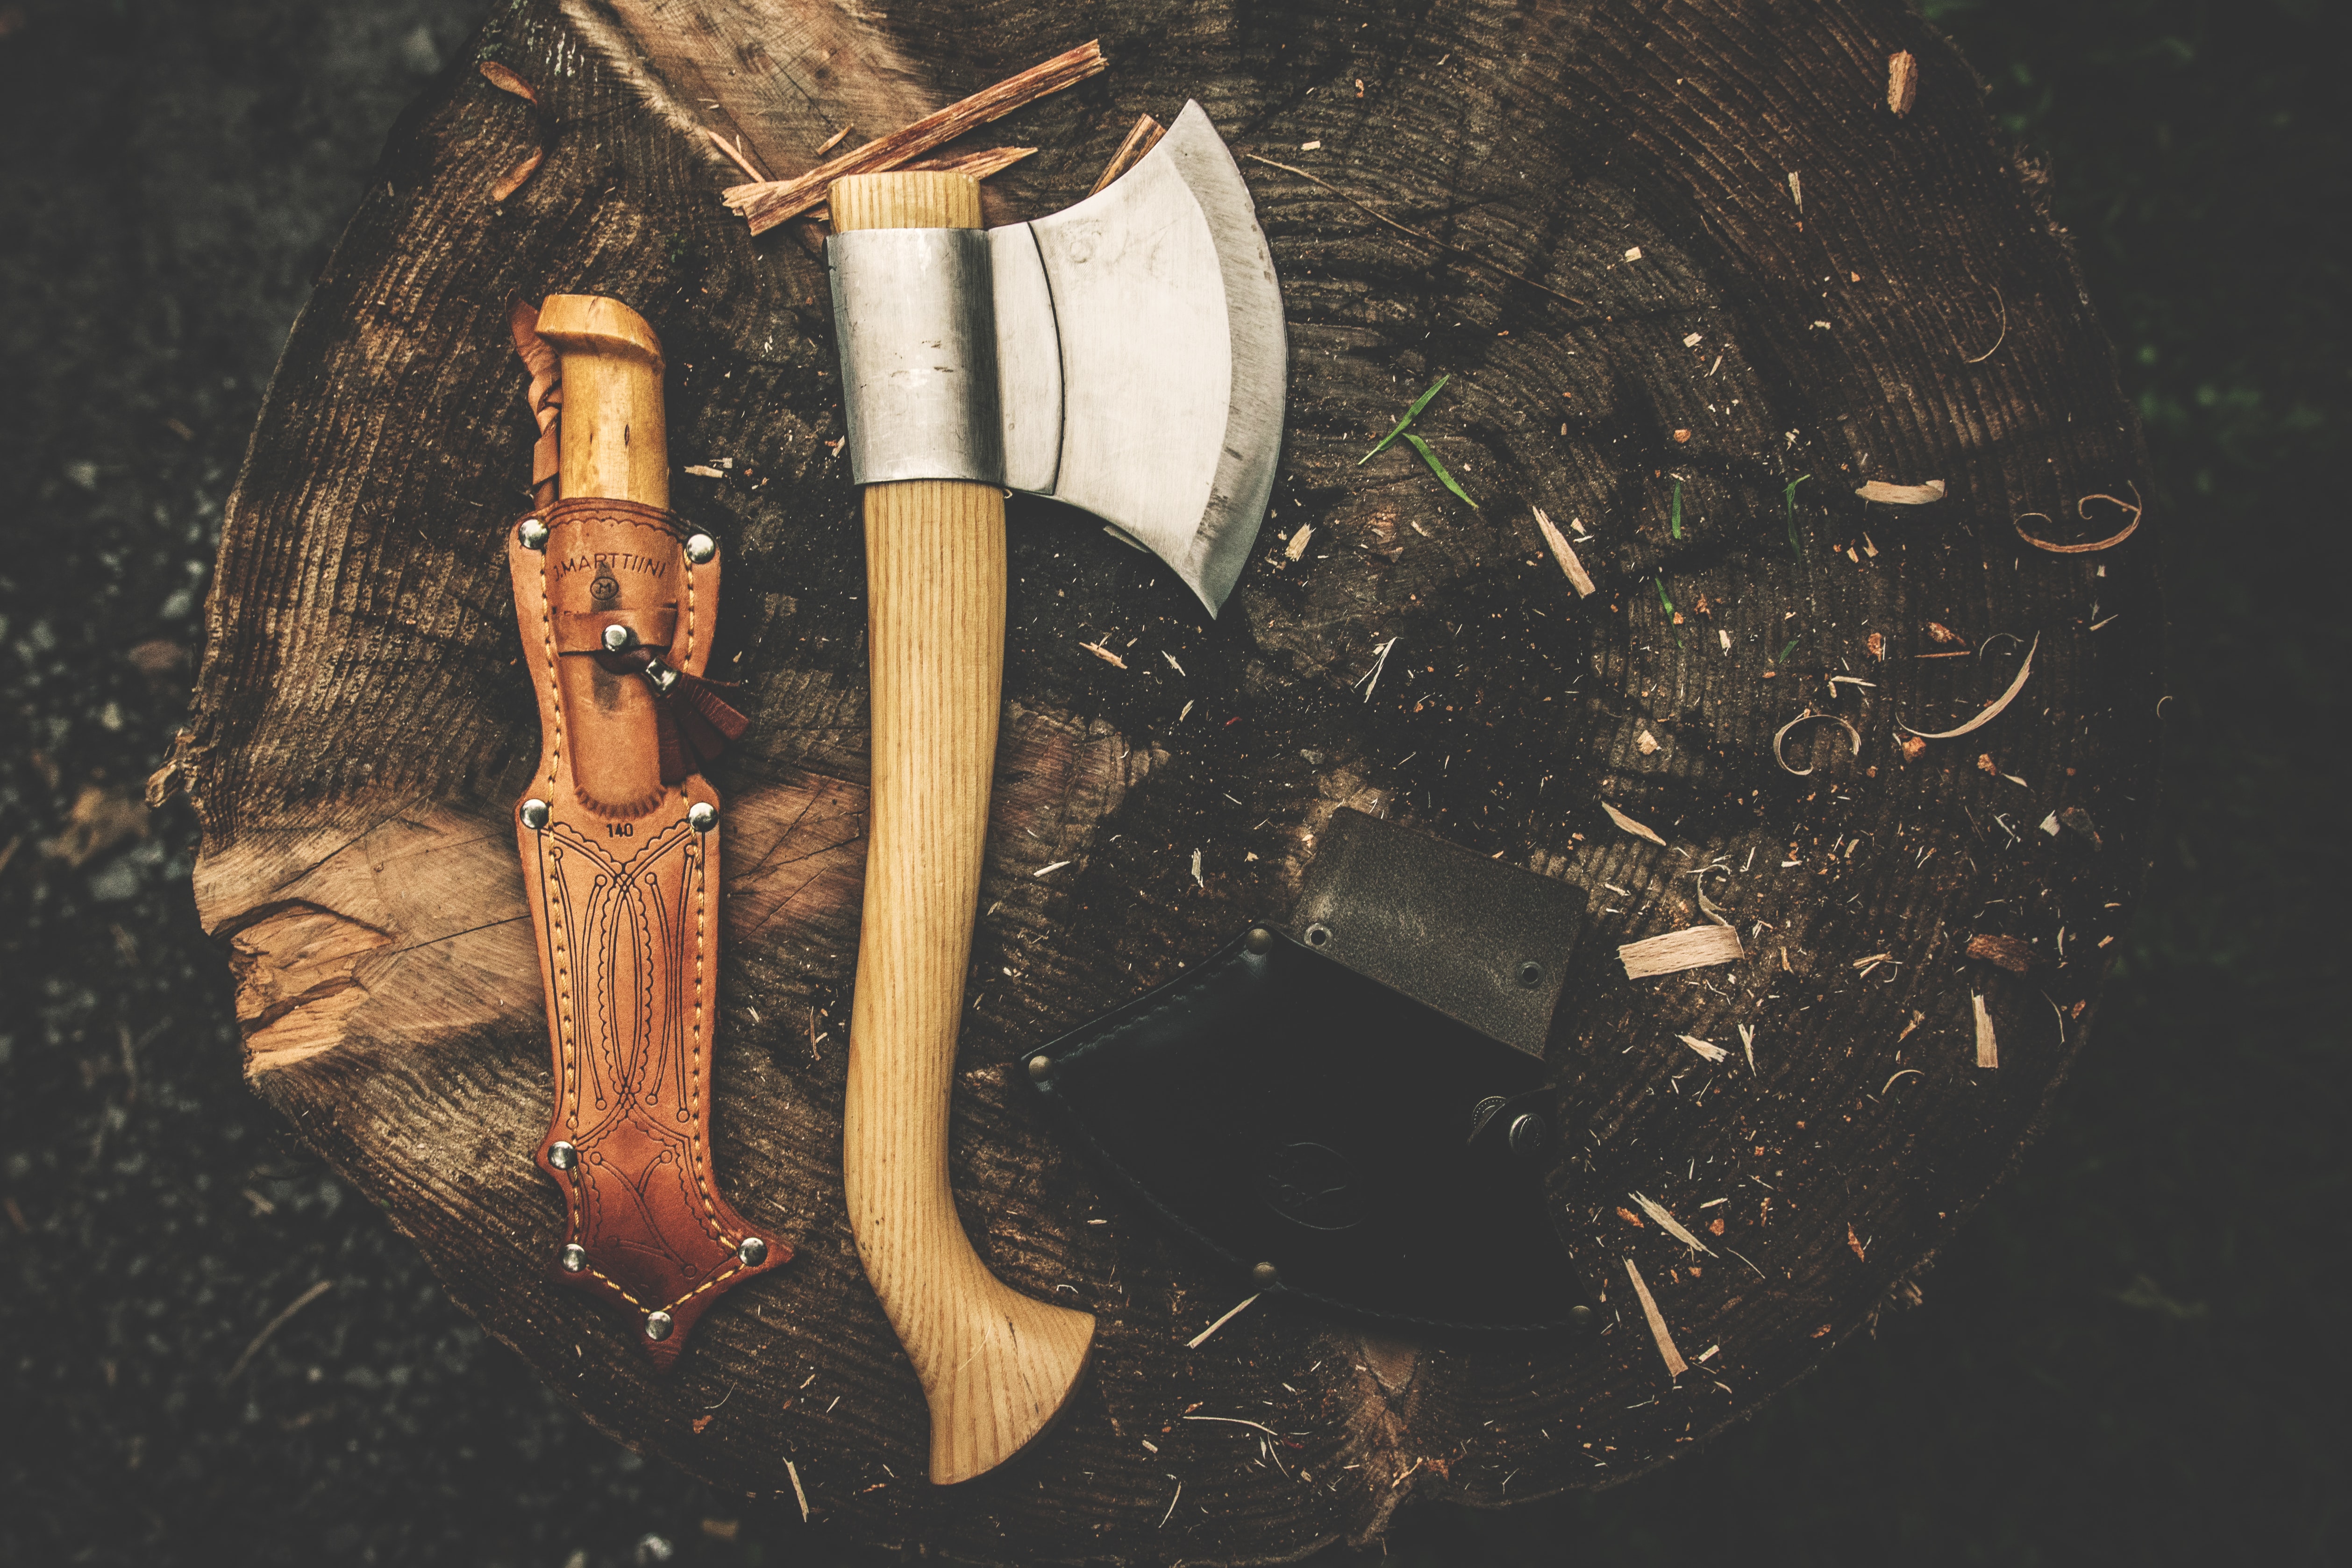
(621, 868)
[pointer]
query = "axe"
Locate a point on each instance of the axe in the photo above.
(1125, 356)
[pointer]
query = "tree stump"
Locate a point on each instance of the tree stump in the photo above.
(1695, 282)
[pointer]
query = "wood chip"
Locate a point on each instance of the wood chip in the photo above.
(1990, 714)
(2013, 953)
(1142, 138)
(1577, 576)
(1646, 743)
(1902, 495)
(1104, 654)
(1629, 826)
(1694, 948)
(1298, 545)
(798, 1490)
(513, 179)
(1669, 1224)
(2133, 506)
(1987, 1048)
(1706, 1049)
(764, 206)
(1675, 1365)
(1902, 81)
(505, 80)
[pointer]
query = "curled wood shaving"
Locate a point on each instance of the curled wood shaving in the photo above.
(1706, 1049)
(1670, 1225)
(1748, 1038)
(1902, 495)
(766, 204)
(1902, 81)
(2133, 506)
(505, 80)
(1988, 1048)
(1578, 578)
(1999, 337)
(1631, 827)
(1990, 714)
(1782, 733)
(1675, 1365)
(1694, 947)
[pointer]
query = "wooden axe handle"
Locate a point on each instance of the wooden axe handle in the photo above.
(995, 1365)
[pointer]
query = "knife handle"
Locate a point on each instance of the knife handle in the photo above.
(996, 1366)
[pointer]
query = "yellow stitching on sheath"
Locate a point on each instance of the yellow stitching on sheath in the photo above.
(713, 1283)
(698, 1129)
(547, 646)
(618, 1290)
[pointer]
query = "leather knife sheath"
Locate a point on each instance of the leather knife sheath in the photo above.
(621, 871)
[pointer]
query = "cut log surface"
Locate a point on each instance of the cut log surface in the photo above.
(1678, 261)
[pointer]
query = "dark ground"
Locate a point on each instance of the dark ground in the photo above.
(2130, 1355)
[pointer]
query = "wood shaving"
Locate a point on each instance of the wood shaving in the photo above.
(1902, 81)
(1990, 714)
(1577, 576)
(1747, 1039)
(735, 154)
(1987, 1048)
(1104, 654)
(1670, 1225)
(2134, 506)
(1675, 1365)
(1938, 632)
(1902, 495)
(1706, 1049)
(1782, 733)
(1629, 826)
(1646, 743)
(1876, 644)
(2013, 953)
(1197, 1341)
(1298, 545)
(766, 204)
(1695, 947)
(835, 140)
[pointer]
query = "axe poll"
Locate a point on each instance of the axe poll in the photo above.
(1126, 356)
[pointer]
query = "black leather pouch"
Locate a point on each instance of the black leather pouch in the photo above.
(1327, 1134)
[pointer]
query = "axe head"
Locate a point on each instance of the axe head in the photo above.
(1124, 355)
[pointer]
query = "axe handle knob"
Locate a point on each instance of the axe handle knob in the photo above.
(996, 1366)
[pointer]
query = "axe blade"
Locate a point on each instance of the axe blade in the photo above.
(1159, 293)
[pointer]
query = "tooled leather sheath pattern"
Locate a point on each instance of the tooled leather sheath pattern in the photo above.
(623, 896)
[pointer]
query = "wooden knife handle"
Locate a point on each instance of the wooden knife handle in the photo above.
(995, 1365)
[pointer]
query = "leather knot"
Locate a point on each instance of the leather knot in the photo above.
(693, 720)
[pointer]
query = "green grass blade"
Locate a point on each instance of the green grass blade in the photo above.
(1676, 523)
(1789, 500)
(1418, 445)
(1418, 405)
